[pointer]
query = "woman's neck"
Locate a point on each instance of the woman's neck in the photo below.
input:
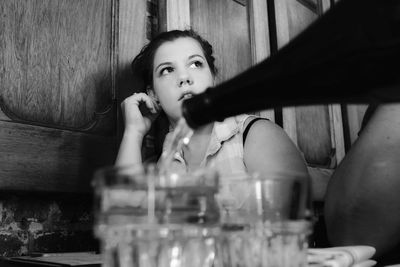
(202, 133)
(195, 151)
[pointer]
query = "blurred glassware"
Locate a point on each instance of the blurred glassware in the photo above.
(265, 219)
(278, 244)
(147, 219)
(248, 199)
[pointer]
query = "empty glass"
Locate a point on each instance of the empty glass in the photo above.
(146, 219)
(265, 220)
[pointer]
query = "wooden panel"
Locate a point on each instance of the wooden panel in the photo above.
(55, 57)
(224, 24)
(37, 158)
(299, 17)
(96, 41)
(313, 134)
(131, 32)
(292, 17)
(259, 30)
(178, 14)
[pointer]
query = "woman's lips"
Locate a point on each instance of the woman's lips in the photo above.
(186, 96)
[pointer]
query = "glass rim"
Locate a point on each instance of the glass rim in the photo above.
(138, 174)
(273, 175)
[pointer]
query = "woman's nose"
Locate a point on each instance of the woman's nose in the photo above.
(184, 78)
(185, 81)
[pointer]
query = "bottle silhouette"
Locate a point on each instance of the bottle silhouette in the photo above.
(349, 55)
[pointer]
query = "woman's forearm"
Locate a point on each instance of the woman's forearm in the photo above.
(130, 149)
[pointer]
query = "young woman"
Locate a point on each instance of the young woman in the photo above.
(177, 65)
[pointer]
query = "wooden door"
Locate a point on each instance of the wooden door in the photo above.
(61, 63)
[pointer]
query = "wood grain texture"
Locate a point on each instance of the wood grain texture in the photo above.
(224, 24)
(290, 123)
(282, 23)
(314, 136)
(299, 18)
(131, 32)
(36, 158)
(178, 14)
(58, 64)
(56, 60)
(259, 30)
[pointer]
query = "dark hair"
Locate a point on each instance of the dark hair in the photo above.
(142, 64)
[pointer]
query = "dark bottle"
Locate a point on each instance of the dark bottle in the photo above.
(349, 55)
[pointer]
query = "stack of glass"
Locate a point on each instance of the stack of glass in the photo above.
(200, 219)
(146, 219)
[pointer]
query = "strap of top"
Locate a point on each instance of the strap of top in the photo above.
(246, 130)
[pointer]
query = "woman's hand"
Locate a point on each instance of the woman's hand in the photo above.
(137, 119)
(139, 110)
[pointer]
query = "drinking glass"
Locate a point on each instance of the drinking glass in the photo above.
(265, 219)
(147, 219)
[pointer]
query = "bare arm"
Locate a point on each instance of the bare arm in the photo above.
(129, 152)
(136, 126)
(269, 149)
(362, 204)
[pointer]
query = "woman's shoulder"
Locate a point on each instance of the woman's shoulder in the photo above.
(263, 128)
(242, 124)
(243, 120)
(235, 123)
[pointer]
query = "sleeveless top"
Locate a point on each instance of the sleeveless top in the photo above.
(225, 150)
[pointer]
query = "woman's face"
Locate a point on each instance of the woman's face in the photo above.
(180, 71)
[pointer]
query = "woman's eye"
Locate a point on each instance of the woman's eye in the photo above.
(166, 70)
(196, 64)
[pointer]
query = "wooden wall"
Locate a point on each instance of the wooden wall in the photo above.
(62, 63)
(56, 57)
(64, 67)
